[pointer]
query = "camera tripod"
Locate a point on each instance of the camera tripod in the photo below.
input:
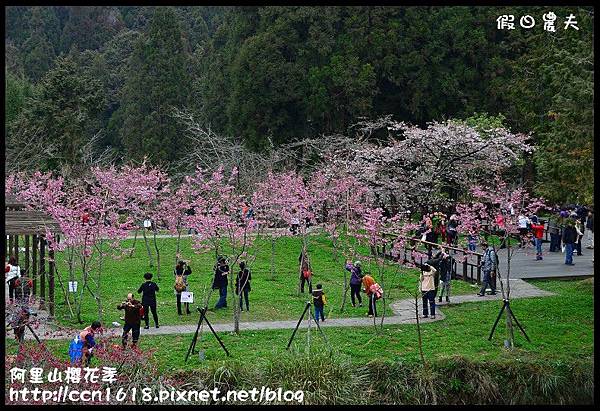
(192, 348)
(506, 306)
(310, 316)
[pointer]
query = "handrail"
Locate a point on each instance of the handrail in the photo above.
(433, 244)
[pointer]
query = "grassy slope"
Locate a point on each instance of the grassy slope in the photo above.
(560, 327)
(269, 299)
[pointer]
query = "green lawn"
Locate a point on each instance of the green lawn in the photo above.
(560, 328)
(270, 299)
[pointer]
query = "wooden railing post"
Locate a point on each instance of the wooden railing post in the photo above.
(478, 269)
(42, 273)
(27, 256)
(34, 263)
(17, 249)
(51, 271)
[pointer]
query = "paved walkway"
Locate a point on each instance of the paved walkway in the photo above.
(403, 313)
(524, 265)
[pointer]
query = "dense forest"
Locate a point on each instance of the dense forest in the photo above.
(87, 82)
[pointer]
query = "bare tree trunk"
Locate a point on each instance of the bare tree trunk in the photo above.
(98, 299)
(150, 259)
(157, 254)
(272, 257)
(66, 294)
(134, 242)
(178, 245)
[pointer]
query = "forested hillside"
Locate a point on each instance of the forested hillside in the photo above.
(87, 83)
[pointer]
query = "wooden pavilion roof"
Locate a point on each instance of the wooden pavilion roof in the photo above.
(18, 220)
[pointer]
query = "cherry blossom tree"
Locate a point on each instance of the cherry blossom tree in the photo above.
(415, 168)
(487, 203)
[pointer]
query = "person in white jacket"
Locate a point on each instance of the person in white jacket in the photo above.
(12, 272)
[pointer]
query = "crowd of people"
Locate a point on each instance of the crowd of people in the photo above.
(567, 227)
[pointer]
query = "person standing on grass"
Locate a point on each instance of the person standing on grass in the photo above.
(305, 271)
(242, 284)
(538, 234)
(82, 347)
(133, 319)
(489, 265)
(368, 287)
(589, 225)
(451, 231)
(355, 281)
(220, 282)
(148, 291)
(319, 301)
(428, 288)
(182, 271)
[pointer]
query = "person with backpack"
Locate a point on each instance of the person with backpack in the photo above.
(182, 271)
(12, 273)
(428, 285)
(134, 310)
(538, 234)
(82, 346)
(319, 302)
(220, 281)
(355, 281)
(489, 265)
(148, 290)
(242, 284)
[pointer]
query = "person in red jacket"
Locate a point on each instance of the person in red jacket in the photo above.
(538, 233)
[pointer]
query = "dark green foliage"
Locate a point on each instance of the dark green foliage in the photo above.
(62, 112)
(156, 82)
(288, 72)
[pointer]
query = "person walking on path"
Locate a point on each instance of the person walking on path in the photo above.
(182, 271)
(12, 273)
(489, 265)
(148, 291)
(428, 288)
(355, 282)
(220, 282)
(589, 225)
(319, 301)
(538, 234)
(133, 319)
(242, 284)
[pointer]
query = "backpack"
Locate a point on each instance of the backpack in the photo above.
(376, 290)
(76, 349)
(179, 283)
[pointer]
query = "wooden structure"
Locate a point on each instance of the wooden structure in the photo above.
(31, 227)
(470, 270)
